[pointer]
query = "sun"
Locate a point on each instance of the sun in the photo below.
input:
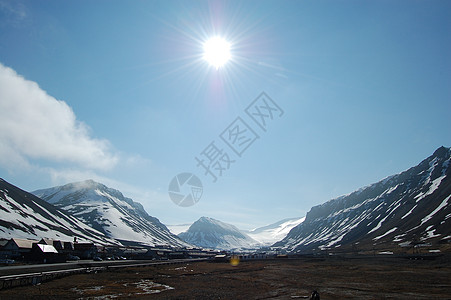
(217, 51)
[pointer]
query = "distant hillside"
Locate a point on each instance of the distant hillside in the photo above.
(268, 235)
(214, 234)
(177, 229)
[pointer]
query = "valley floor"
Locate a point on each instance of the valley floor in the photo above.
(333, 278)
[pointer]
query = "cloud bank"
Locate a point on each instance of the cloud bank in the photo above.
(34, 125)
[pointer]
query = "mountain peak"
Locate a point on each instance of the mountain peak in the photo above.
(91, 182)
(210, 233)
(441, 151)
(88, 184)
(206, 220)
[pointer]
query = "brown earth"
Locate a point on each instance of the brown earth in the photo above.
(333, 278)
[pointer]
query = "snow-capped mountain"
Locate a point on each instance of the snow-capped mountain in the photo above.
(268, 235)
(176, 229)
(108, 211)
(214, 234)
(23, 215)
(409, 208)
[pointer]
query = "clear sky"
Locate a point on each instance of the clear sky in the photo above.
(119, 92)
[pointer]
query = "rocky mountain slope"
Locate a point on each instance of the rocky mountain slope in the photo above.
(403, 210)
(108, 211)
(23, 215)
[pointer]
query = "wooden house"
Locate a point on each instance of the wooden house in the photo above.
(18, 248)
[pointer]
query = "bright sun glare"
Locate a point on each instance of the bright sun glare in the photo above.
(217, 52)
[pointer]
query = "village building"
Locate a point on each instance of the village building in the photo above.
(157, 253)
(85, 250)
(60, 246)
(46, 241)
(45, 254)
(68, 247)
(18, 248)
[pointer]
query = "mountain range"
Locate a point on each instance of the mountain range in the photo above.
(92, 211)
(23, 215)
(403, 210)
(109, 212)
(262, 236)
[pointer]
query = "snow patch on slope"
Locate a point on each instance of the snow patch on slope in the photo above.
(441, 205)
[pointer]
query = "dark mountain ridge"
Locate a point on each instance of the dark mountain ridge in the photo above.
(399, 211)
(23, 215)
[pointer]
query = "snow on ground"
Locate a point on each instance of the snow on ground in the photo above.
(398, 238)
(430, 234)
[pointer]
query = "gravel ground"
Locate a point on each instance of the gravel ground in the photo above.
(333, 278)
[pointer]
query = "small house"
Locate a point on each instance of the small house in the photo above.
(68, 247)
(46, 241)
(55, 243)
(58, 245)
(45, 254)
(18, 248)
(85, 250)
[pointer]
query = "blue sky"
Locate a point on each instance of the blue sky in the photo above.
(118, 92)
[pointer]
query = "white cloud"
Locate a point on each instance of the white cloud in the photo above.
(34, 125)
(151, 199)
(136, 160)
